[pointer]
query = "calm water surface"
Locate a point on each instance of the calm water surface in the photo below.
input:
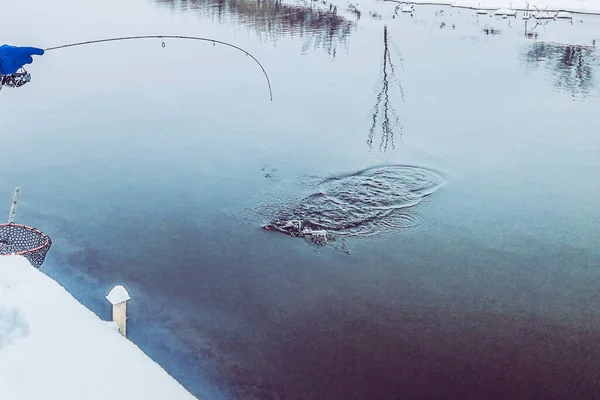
(157, 168)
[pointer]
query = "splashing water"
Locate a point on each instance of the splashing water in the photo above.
(364, 203)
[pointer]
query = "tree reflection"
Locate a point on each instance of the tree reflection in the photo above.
(572, 65)
(273, 20)
(383, 110)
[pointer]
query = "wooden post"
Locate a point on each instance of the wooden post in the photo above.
(118, 297)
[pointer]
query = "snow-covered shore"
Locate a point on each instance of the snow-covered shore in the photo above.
(574, 6)
(53, 348)
(580, 6)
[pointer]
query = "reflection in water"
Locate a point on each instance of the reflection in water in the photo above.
(273, 20)
(491, 31)
(383, 109)
(572, 65)
(530, 32)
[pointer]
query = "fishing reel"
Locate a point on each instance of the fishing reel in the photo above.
(17, 79)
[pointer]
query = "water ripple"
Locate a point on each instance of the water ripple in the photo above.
(364, 203)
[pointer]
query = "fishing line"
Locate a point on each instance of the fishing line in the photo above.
(214, 41)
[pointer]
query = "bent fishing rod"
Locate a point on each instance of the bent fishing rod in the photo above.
(22, 77)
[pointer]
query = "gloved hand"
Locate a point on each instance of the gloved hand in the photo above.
(12, 57)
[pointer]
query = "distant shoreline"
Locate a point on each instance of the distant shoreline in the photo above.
(497, 5)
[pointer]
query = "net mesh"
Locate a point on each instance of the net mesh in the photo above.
(26, 241)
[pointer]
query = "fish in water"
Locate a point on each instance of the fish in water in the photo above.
(298, 228)
(363, 203)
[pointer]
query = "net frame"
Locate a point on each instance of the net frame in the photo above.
(25, 241)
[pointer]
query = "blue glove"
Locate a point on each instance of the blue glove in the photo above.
(12, 57)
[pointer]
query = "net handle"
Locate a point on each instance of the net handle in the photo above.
(13, 205)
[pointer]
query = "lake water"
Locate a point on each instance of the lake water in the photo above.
(453, 158)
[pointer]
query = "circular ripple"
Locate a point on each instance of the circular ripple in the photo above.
(360, 204)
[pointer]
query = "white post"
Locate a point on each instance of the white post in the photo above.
(13, 205)
(118, 297)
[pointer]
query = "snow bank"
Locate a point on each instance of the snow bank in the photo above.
(53, 348)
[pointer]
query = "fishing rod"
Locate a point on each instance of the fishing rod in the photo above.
(22, 77)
